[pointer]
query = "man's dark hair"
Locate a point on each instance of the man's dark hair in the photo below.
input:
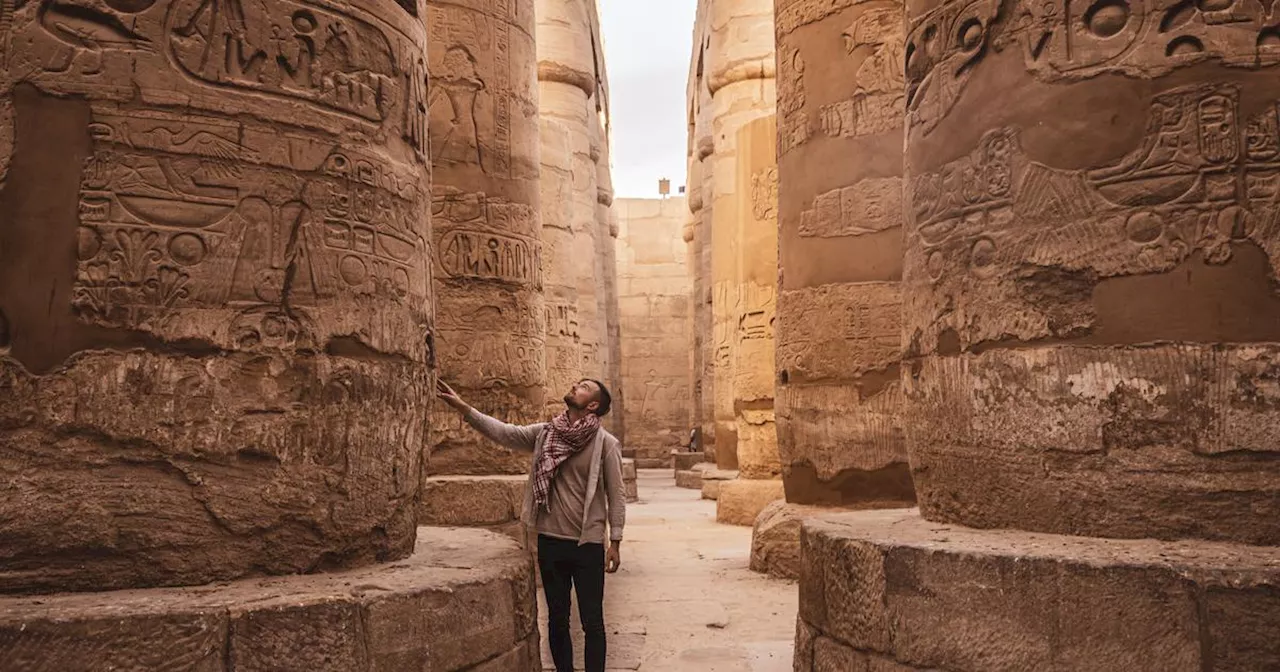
(606, 399)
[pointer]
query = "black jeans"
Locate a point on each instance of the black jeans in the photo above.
(564, 566)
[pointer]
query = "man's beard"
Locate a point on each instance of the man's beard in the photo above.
(571, 403)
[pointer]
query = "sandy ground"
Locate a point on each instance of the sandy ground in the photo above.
(684, 600)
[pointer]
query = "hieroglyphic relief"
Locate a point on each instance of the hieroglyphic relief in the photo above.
(867, 206)
(1080, 39)
(1204, 178)
(288, 49)
(471, 55)
(764, 194)
(756, 313)
(167, 197)
(469, 246)
(875, 38)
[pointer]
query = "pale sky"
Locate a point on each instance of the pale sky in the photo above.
(647, 44)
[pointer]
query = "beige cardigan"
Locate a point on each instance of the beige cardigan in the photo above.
(608, 453)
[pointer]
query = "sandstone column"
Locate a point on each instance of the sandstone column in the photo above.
(485, 206)
(698, 187)
(217, 347)
(840, 185)
(759, 469)
(1091, 327)
(739, 67)
(566, 85)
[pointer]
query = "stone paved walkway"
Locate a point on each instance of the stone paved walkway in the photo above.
(684, 600)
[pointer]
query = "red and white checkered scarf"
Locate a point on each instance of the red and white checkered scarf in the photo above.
(564, 440)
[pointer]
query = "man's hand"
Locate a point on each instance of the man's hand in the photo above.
(613, 557)
(447, 395)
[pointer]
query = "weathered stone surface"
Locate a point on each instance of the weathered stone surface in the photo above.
(690, 479)
(464, 600)
(471, 501)
(711, 480)
(740, 501)
(967, 600)
(570, 98)
(485, 210)
(215, 292)
(775, 539)
(739, 66)
(654, 295)
(683, 460)
(1093, 308)
(630, 484)
(840, 216)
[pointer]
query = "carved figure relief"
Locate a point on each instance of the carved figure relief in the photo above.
(452, 103)
(1202, 179)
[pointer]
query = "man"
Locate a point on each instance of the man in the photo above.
(575, 487)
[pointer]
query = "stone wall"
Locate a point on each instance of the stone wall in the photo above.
(840, 217)
(485, 206)
(654, 295)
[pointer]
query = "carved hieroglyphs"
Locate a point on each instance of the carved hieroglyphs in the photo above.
(698, 186)
(1092, 335)
(487, 222)
(739, 67)
(840, 218)
(654, 314)
(570, 87)
(215, 290)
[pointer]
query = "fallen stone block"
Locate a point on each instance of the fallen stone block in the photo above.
(740, 501)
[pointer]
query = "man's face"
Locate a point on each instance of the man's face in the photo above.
(583, 396)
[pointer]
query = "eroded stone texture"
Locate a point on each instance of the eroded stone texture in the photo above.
(654, 306)
(485, 213)
(215, 297)
(567, 87)
(739, 67)
(741, 500)
(840, 239)
(1089, 293)
(464, 600)
(933, 596)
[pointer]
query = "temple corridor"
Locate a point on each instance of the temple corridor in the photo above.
(684, 599)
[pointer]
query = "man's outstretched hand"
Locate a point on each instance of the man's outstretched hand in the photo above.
(612, 558)
(447, 395)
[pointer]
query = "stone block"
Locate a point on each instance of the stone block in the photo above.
(978, 600)
(690, 479)
(712, 478)
(463, 600)
(628, 469)
(471, 501)
(683, 460)
(740, 501)
(775, 540)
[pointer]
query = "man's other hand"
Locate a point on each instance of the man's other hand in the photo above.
(613, 558)
(447, 395)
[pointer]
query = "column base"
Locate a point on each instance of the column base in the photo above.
(713, 478)
(465, 600)
(629, 480)
(886, 589)
(691, 478)
(489, 502)
(741, 500)
(683, 460)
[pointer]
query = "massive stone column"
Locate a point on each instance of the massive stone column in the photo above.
(840, 109)
(1092, 331)
(701, 147)
(739, 67)
(566, 85)
(217, 346)
(485, 207)
(759, 469)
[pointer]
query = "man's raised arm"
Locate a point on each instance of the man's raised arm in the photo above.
(512, 437)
